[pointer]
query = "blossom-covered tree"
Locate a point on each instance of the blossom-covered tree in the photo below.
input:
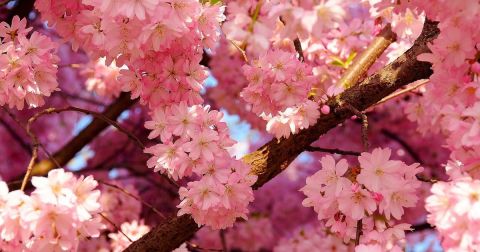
(260, 125)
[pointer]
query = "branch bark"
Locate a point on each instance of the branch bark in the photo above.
(67, 152)
(272, 158)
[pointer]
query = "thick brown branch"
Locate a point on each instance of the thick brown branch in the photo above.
(363, 62)
(67, 152)
(272, 158)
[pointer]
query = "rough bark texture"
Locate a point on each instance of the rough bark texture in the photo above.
(272, 158)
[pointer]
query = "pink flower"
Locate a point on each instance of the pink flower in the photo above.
(468, 199)
(355, 202)
(165, 157)
(139, 8)
(368, 248)
(17, 29)
(181, 120)
(134, 230)
(86, 197)
(377, 171)
(158, 125)
(396, 197)
(203, 145)
(331, 176)
(56, 188)
(456, 47)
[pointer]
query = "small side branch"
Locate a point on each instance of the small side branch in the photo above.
(16, 136)
(88, 112)
(133, 196)
(115, 225)
(404, 145)
(332, 151)
(224, 240)
(298, 48)
(421, 227)
(364, 119)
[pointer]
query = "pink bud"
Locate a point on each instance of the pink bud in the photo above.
(325, 109)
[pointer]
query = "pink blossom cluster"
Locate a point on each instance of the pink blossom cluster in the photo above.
(452, 97)
(102, 78)
(452, 102)
(195, 141)
(28, 65)
(374, 192)
(128, 30)
(134, 230)
(61, 211)
(278, 90)
(138, 33)
(454, 210)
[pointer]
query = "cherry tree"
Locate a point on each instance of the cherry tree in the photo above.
(259, 125)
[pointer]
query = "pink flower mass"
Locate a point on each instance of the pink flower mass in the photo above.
(246, 125)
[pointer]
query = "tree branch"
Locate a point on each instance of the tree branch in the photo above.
(363, 62)
(332, 151)
(68, 151)
(272, 158)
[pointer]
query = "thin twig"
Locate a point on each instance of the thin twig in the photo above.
(44, 149)
(132, 170)
(133, 196)
(80, 98)
(88, 112)
(358, 232)
(115, 225)
(366, 144)
(401, 92)
(16, 136)
(31, 163)
(421, 227)
(425, 179)
(193, 246)
(364, 119)
(242, 52)
(332, 151)
(404, 144)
